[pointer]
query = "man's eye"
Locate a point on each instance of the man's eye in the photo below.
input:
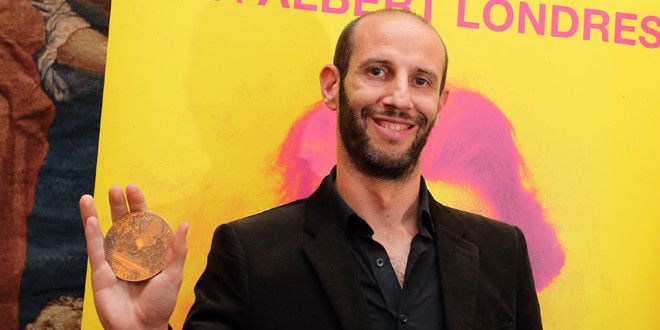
(421, 82)
(376, 72)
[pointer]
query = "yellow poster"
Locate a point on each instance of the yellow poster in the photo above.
(214, 109)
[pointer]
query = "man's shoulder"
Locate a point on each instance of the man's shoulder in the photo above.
(474, 220)
(480, 228)
(284, 219)
(495, 240)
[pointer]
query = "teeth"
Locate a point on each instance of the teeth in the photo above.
(395, 127)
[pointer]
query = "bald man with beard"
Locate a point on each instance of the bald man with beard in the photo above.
(370, 248)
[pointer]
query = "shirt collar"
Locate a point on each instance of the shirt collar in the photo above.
(347, 214)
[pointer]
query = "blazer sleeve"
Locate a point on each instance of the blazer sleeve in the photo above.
(221, 293)
(528, 312)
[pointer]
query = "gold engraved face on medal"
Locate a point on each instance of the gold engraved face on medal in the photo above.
(136, 244)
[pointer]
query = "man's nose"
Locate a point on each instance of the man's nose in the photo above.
(398, 94)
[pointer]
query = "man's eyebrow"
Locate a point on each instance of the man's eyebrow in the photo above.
(429, 73)
(372, 61)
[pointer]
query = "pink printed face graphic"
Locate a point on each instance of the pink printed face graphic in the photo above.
(472, 145)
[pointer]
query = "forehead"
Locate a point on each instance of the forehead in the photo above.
(398, 38)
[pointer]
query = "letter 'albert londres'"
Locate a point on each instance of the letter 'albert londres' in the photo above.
(564, 22)
(555, 20)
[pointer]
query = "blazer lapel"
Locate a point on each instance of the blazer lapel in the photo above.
(459, 268)
(329, 254)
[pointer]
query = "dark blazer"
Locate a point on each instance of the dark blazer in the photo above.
(291, 268)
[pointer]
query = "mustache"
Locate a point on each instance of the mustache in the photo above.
(419, 119)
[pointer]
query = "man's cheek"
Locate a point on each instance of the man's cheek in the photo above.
(427, 105)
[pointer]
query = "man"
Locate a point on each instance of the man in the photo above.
(370, 248)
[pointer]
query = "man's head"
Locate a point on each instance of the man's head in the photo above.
(343, 49)
(388, 87)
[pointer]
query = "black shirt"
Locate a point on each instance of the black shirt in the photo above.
(418, 305)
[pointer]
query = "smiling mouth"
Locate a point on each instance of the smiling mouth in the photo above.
(392, 126)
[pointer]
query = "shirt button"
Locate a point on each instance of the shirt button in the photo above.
(403, 317)
(380, 262)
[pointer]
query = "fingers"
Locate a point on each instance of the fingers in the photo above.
(117, 202)
(87, 208)
(94, 238)
(93, 233)
(136, 200)
(102, 275)
(117, 198)
(176, 254)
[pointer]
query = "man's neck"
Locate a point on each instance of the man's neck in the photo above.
(383, 204)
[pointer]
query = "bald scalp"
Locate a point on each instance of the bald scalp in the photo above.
(344, 48)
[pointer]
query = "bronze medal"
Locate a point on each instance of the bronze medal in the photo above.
(136, 244)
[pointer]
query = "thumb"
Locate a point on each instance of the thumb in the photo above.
(94, 238)
(176, 253)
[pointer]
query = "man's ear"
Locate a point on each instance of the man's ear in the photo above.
(442, 101)
(329, 78)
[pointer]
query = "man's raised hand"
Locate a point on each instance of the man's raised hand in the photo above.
(131, 305)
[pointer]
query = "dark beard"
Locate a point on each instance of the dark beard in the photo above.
(369, 160)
